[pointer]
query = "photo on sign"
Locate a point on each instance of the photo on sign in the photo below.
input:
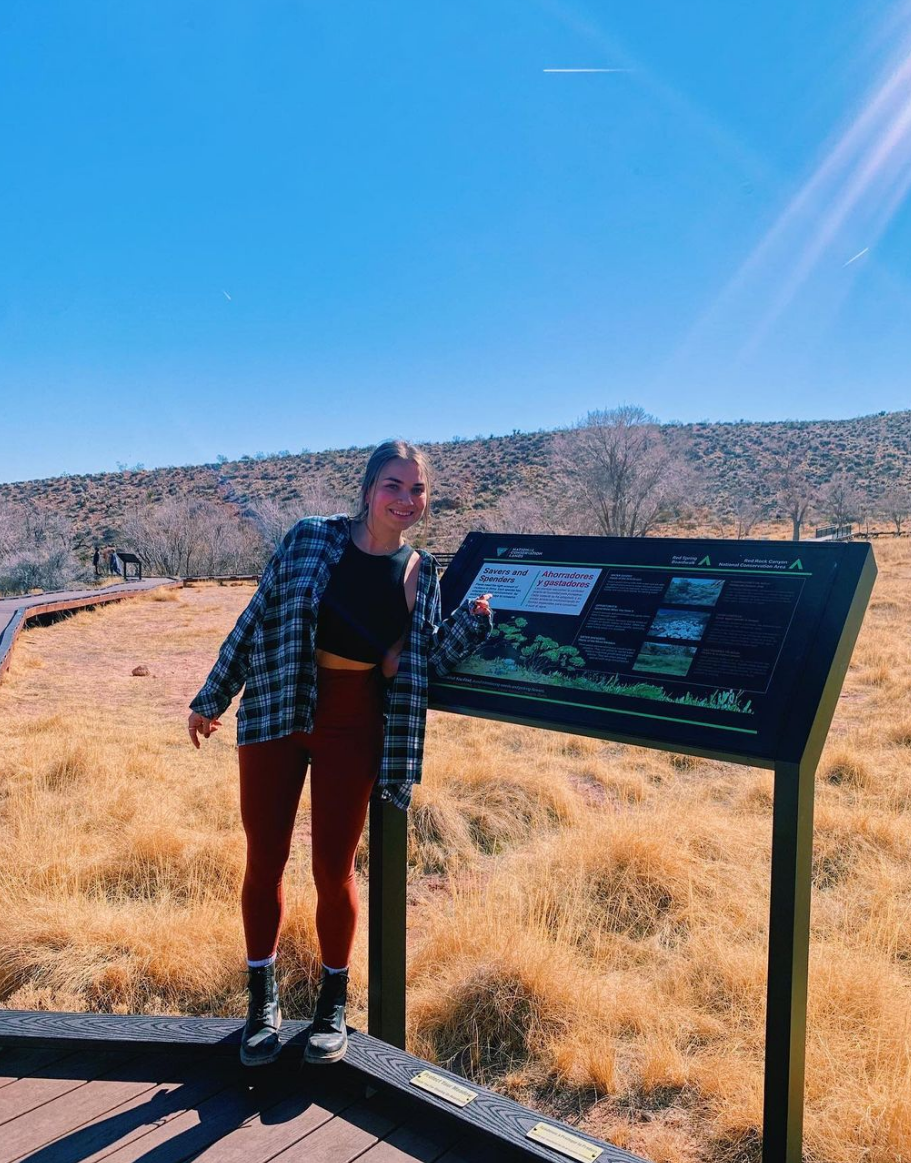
(659, 658)
(693, 591)
(686, 624)
(515, 653)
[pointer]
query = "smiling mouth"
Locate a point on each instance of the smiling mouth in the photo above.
(399, 513)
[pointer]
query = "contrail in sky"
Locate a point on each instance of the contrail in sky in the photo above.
(227, 296)
(857, 256)
(587, 70)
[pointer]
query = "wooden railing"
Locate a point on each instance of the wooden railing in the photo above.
(221, 578)
(443, 560)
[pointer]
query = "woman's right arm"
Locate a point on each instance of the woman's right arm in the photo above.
(229, 673)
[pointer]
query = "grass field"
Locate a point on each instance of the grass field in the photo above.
(587, 924)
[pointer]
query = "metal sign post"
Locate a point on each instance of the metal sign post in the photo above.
(815, 700)
(386, 923)
(789, 948)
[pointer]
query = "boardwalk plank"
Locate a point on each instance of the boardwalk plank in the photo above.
(133, 1120)
(476, 1150)
(348, 1135)
(423, 1138)
(86, 1104)
(21, 1061)
(191, 1132)
(53, 1080)
(279, 1127)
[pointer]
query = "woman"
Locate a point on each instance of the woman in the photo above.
(335, 649)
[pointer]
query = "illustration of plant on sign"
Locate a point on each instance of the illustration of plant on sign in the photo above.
(732, 701)
(541, 656)
(545, 655)
(509, 634)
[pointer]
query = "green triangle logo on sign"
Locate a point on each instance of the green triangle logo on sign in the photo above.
(705, 560)
(798, 564)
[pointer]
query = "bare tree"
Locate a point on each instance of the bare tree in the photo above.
(272, 518)
(316, 496)
(794, 490)
(523, 510)
(184, 536)
(10, 522)
(841, 500)
(228, 543)
(867, 508)
(623, 474)
(36, 549)
(895, 506)
(747, 509)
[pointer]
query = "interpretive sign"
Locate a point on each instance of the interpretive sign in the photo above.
(734, 650)
(696, 645)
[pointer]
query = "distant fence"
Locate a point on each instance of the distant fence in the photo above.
(834, 532)
(442, 559)
(221, 578)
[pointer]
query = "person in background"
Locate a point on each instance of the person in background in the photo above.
(336, 649)
(96, 558)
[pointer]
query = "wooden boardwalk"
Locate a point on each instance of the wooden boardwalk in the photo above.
(16, 611)
(58, 1107)
(85, 1087)
(79, 1088)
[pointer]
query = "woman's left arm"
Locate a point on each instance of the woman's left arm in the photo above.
(458, 635)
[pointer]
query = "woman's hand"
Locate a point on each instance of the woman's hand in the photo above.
(202, 725)
(480, 606)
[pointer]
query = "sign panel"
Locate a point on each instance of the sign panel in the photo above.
(693, 644)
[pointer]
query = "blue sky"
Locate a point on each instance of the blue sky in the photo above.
(234, 227)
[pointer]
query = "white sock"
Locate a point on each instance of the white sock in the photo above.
(329, 969)
(258, 964)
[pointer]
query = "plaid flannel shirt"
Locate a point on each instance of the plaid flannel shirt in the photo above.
(271, 652)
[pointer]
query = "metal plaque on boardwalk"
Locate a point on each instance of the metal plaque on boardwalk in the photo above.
(443, 1088)
(559, 1140)
(722, 648)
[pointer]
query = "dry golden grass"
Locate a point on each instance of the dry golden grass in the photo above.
(588, 922)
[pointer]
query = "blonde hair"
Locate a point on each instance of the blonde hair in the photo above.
(381, 455)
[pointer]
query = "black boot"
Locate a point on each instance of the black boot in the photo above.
(328, 1039)
(259, 1043)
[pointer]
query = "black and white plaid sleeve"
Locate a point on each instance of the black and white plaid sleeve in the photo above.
(229, 673)
(454, 637)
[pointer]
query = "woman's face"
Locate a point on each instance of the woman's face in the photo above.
(399, 497)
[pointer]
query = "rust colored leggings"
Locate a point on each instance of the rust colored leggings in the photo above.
(343, 752)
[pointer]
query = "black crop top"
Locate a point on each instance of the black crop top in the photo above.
(363, 610)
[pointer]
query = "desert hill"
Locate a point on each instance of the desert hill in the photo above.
(471, 475)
